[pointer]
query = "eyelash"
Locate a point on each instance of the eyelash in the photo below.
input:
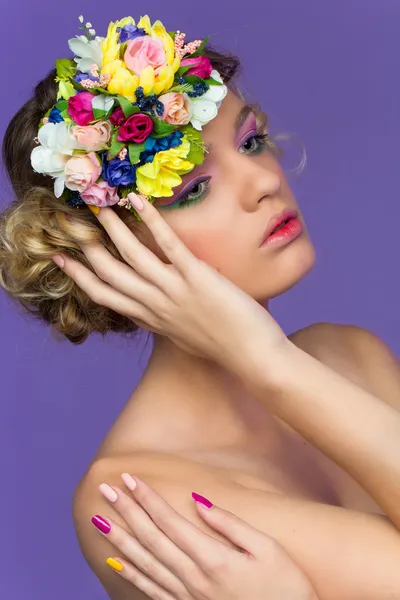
(184, 201)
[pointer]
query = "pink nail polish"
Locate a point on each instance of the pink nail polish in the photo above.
(101, 524)
(201, 500)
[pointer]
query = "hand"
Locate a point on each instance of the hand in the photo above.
(169, 558)
(188, 301)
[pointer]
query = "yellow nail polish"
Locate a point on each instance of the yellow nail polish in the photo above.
(115, 564)
(94, 209)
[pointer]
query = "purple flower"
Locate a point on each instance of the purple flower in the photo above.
(79, 76)
(118, 172)
(130, 32)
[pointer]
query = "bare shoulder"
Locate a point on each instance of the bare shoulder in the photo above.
(356, 353)
(309, 531)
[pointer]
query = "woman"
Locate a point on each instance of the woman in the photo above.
(298, 437)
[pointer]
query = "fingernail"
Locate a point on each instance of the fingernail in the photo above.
(94, 209)
(136, 201)
(115, 564)
(129, 481)
(101, 524)
(108, 493)
(201, 500)
(60, 262)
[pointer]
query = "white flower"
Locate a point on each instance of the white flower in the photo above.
(88, 24)
(80, 18)
(103, 102)
(89, 52)
(92, 31)
(205, 107)
(56, 148)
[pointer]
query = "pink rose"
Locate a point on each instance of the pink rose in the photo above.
(94, 137)
(136, 129)
(202, 66)
(118, 117)
(143, 52)
(81, 171)
(100, 194)
(80, 108)
(176, 108)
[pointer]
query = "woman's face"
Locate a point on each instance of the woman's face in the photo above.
(223, 207)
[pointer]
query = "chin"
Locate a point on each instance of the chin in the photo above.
(289, 267)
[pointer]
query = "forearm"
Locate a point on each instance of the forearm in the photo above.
(353, 427)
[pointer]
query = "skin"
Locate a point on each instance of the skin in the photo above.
(211, 436)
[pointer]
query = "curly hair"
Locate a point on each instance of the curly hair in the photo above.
(35, 226)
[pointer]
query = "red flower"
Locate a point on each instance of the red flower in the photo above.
(136, 129)
(117, 117)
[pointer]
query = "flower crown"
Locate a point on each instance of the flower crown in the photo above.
(129, 111)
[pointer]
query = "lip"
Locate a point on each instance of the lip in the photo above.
(278, 220)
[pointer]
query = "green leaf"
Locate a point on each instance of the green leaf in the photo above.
(192, 79)
(65, 115)
(182, 70)
(172, 34)
(161, 128)
(65, 69)
(196, 153)
(65, 90)
(135, 151)
(179, 88)
(128, 108)
(200, 49)
(98, 114)
(116, 146)
(212, 81)
(62, 105)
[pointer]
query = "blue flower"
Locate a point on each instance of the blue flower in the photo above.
(130, 32)
(55, 116)
(154, 145)
(118, 172)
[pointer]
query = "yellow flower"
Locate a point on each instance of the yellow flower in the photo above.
(157, 178)
(122, 81)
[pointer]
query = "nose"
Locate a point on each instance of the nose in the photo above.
(254, 181)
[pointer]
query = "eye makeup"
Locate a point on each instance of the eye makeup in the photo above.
(249, 132)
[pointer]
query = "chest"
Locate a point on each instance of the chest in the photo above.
(296, 469)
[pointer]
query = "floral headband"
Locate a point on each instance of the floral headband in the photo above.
(129, 111)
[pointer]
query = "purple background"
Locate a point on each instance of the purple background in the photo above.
(327, 71)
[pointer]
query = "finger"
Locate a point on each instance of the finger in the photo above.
(134, 552)
(139, 580)
(136, 254)
(103, 294)
(197, 544)
(236, 530)
(122, 277)
(150, 536)
(172, 246)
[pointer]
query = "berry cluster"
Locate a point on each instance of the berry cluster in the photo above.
(198, 90)
(146, 103)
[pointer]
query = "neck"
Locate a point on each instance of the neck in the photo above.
(192, 402)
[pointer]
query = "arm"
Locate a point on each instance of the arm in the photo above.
(353, 426)
(347, 555)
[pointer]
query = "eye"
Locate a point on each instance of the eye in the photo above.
(196, 193)
(254, 144)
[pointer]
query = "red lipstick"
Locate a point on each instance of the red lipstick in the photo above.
(282, 229)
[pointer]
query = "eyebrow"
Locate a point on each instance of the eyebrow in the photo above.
(240, 119)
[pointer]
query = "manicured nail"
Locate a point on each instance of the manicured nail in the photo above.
(101, 524)
(115, 564)
(108, 493)
(201, 500)
(94, 209)
(60, 262)
(129, 481)
(136, 201)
